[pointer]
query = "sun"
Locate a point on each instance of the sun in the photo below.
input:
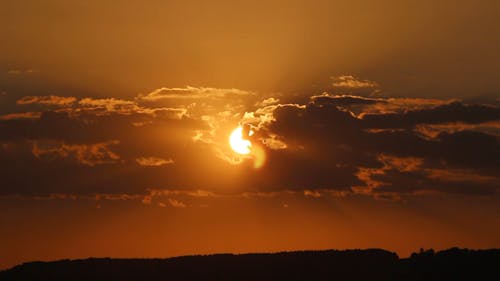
(238, 144)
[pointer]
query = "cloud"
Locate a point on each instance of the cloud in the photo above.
(433, 131)
(267, 102)
(360, 106)
(175, 203)
(461, 176)
(345, 100)
(192, 93)
(47, 100)
(90, 155)
(153, 161)
(312, 193)
(190, 193)
(102, 106)
(147, 200)
(451, 112)
(349, 81)
(220, 109)
(183, 198)
(401, 176)
(323, 144)
(332, 143)
(21, 115)
(109, 104)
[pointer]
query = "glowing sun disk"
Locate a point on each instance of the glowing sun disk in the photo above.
(238, 144)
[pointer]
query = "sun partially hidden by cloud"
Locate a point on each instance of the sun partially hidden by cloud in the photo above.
(238, 143)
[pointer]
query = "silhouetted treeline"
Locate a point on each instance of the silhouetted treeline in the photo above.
(373, 264)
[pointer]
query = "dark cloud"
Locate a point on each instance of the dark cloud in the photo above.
(412, 175)
(332, 136)
(176, 139)
(452, 112)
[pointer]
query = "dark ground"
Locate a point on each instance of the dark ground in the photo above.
(372, 264)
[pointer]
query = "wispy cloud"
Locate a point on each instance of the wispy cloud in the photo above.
(153, 161)
(47, 100)
(350, 81)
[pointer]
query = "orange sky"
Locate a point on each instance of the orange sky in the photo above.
(374, 124)
(57, 229)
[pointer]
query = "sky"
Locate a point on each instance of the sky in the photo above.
(370, 123)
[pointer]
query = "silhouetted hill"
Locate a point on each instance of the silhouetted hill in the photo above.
(373, 264)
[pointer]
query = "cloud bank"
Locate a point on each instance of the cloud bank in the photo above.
(176, 139)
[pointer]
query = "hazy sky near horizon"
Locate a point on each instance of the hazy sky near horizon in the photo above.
(374, 124)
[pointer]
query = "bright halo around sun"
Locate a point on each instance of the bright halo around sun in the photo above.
(238, 144)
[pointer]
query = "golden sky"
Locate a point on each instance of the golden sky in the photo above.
(367, 124)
